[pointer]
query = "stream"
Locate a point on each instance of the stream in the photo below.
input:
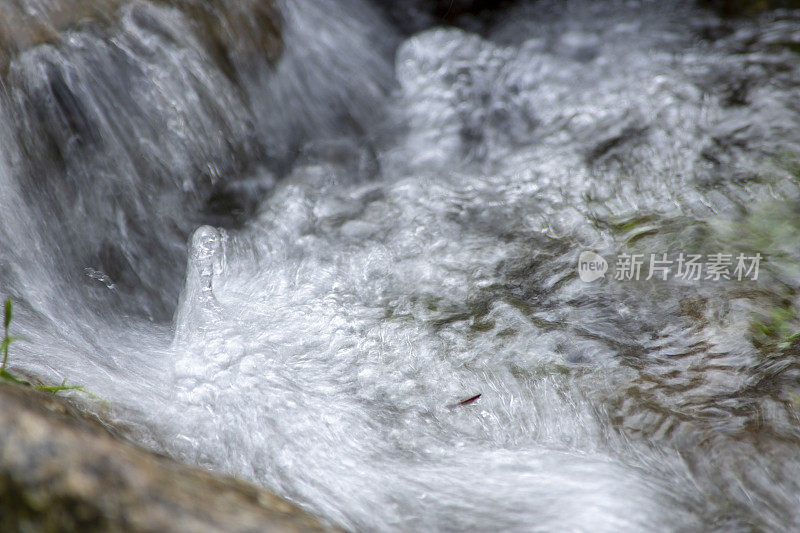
(301, 268)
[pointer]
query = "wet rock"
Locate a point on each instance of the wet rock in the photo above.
(740, 8)
(228, 29)
(104, 97)
(23, 24)
(62, 471)
(414, 15)
(238, 33)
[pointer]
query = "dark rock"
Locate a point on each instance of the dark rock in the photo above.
(60, 470)
(743, 8)
(412, 16)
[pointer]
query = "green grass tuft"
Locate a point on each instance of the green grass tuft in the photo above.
(5, 375)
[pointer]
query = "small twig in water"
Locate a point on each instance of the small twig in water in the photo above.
(465, 402)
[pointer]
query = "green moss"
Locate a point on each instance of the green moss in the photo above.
(482, 325)
(789, 160)
(775, 330)
(648, 232)
(771, 228)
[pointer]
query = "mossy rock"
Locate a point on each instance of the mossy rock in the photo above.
(61, 470)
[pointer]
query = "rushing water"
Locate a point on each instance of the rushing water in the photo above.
(403, 223)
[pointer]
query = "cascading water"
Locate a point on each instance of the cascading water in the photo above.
(403, 222)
